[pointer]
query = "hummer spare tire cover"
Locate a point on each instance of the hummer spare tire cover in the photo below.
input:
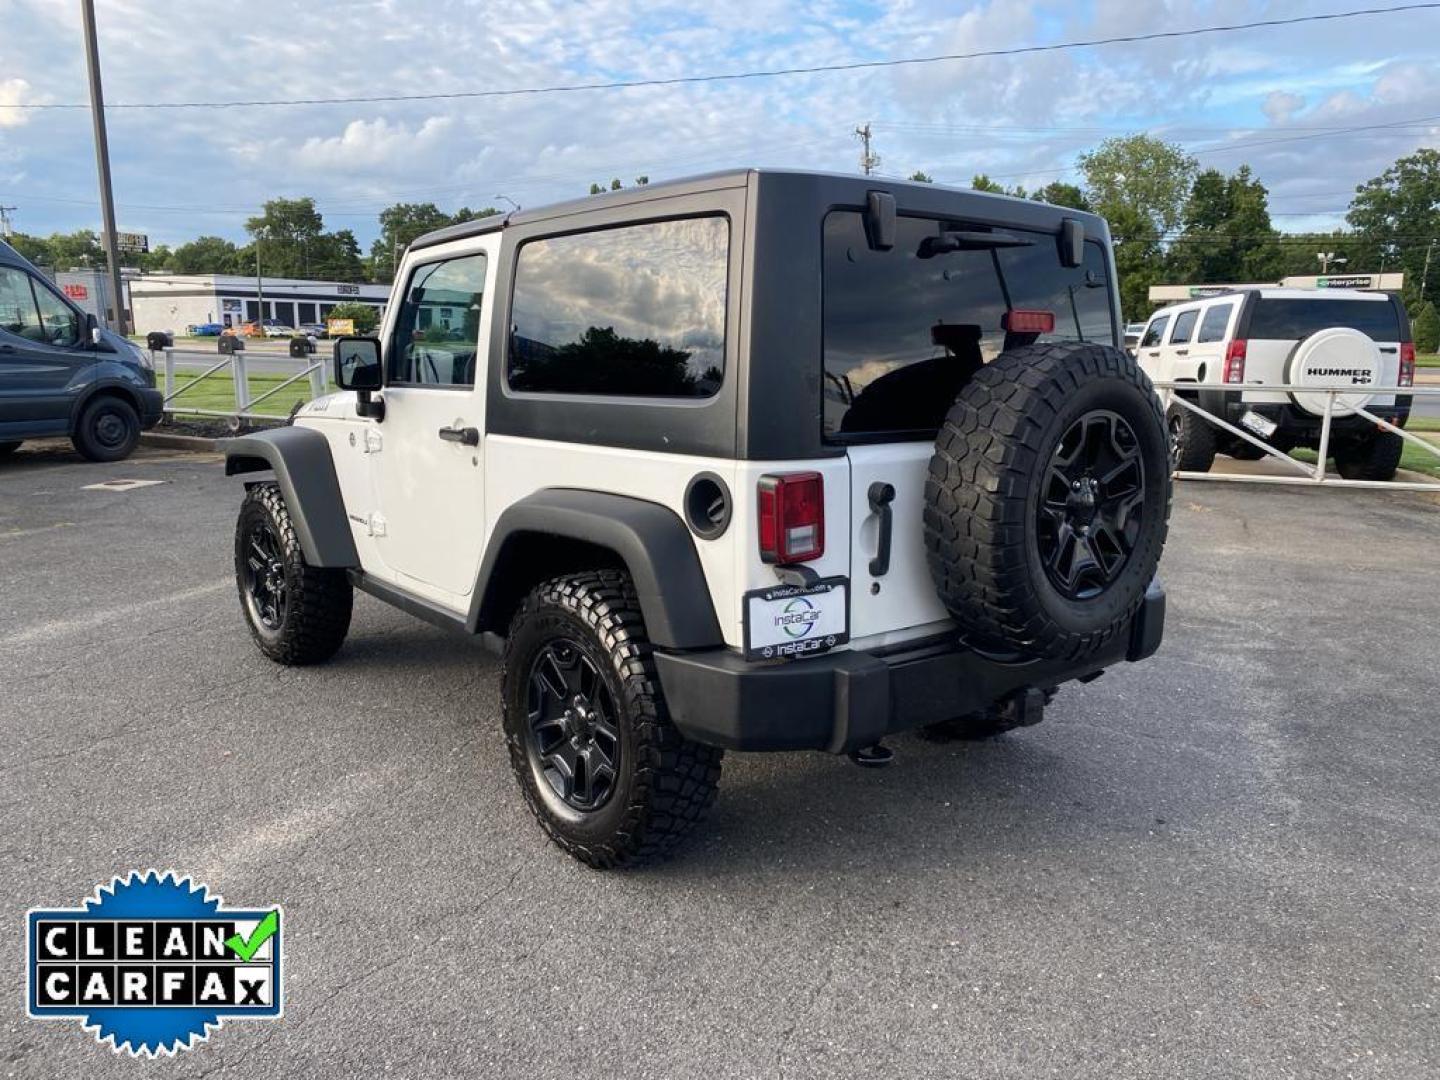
(1048, 500)
(1339, 357)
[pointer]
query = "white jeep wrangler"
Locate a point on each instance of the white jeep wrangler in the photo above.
(758, 460)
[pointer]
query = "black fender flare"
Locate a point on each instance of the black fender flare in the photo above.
(300, 459)
(651, 540)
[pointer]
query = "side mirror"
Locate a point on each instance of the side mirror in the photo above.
(1072, 242)
(358, 368)
(92, 328)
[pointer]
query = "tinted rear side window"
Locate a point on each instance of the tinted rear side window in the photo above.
(1293, 319)
(636, 311)
(1184, 326)
(1212, 327)
(905, 328)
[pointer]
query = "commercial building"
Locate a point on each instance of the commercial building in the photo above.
(176, 301)
(1170, 294)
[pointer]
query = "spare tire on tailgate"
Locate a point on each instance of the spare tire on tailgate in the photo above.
(1048, 500)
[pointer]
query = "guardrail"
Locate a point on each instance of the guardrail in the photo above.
(240, 380)
(1309, 474)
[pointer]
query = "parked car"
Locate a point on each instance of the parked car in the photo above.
(315, 330)
(213, 329)
(1285, 336)
(274, 328)
(789, 507)
(1133, 332)
(60, 374)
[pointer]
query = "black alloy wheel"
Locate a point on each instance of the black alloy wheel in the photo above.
(573, 741)
(265, 590)
(1091, 506)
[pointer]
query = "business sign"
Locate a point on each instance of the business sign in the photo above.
(340, 327)
(230, 306)
(1354, 281)
(76, 291)
(347, 290)
(133, 243)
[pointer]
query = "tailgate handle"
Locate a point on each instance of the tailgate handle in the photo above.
(881, 495)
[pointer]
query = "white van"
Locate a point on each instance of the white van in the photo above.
(1275, 337)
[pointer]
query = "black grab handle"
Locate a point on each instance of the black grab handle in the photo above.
(881, 495)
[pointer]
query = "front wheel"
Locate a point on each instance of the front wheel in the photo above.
(605, 772)
(297, 613)
(109, 430)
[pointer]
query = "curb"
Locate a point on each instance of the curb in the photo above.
(178, 442)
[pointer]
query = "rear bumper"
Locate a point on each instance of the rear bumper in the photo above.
(1297, 421)
(847, 700)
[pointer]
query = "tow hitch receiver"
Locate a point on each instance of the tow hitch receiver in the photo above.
(1023, 708)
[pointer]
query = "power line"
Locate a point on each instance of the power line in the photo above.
(764, 73)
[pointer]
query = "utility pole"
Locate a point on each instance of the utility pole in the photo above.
(869, 162)
(5, 230)
(259, 290)
(102, 160)
(1425, 274)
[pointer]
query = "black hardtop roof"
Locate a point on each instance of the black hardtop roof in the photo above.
(851, 185)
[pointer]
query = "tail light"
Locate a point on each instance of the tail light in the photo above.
(792, 517)
(1407, 364)
(1235, 362)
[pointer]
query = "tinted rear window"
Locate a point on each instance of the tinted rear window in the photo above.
(903, 331)
(1292, 320)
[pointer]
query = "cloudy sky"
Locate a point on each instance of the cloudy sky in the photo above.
(1259, 96)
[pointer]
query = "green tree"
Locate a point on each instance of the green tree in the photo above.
(1146, 176)
(402, 224)
(1401, 207)
(922, 177)
(1426, 330)
(1228, 236)
(366, 317)
(34, 248)
(208, 255)
(981, 182)
(336, 257)
(1059, 193)
(287, 231)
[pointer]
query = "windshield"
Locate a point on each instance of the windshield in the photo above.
(908, 326)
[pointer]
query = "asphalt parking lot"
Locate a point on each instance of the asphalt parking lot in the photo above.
(1224, 862)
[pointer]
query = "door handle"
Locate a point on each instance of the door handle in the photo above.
(1182, 352)
(466, 436)
(881, 495)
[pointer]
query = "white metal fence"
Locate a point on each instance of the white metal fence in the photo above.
(239, 375)
(1305, 472)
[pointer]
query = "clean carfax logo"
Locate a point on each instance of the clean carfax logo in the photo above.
(152, 963)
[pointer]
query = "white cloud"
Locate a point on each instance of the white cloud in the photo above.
(14, 92)
(1280, 106)
(368, 144)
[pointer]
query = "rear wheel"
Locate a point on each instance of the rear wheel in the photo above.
(1373, 458)
(1048, 498)
(109, 430)
(297, 613)
(605, 772)
(1192, 440)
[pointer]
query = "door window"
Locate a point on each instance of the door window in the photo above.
(62, 325)
(1184, 326)
(437, 333)
(1154, 332)
(18, 313)
(1212, 327)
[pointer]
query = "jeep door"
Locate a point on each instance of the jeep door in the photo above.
(429, 470)
(41, 356)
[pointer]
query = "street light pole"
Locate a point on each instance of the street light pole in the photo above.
(102, 160)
